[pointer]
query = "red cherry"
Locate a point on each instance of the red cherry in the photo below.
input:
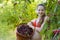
(56, 31)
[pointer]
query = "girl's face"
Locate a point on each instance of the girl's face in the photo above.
(40, 10)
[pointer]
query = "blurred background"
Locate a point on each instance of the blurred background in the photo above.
(14, 12)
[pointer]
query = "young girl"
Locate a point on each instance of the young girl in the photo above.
(38, 23)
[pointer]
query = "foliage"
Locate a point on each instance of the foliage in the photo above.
(14, 12)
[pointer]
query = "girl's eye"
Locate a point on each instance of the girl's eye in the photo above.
(39, 10)
(42, 10)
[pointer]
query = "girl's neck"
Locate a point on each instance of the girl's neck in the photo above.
(39, 17)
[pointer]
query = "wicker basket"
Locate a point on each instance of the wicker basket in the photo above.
(19, 36)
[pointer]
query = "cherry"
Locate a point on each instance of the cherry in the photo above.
(25, 30)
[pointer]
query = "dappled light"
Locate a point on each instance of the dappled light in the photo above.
(15, 12)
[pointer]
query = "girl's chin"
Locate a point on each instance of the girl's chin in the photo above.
(40, 14)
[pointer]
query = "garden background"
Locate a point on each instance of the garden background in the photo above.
(14, 12)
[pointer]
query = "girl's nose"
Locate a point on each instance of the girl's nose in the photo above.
(40, 11)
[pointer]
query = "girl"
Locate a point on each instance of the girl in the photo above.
(38, 23)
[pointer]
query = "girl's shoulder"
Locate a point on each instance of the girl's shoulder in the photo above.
(46, 18)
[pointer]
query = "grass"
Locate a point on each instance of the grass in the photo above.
(7, 32)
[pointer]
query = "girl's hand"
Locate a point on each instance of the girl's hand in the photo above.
(37, 29)
(30, 25)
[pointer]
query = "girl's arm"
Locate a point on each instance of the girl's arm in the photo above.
(45, 20)
(30, 24)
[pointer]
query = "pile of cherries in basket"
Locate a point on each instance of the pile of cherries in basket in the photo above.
(25, 30)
